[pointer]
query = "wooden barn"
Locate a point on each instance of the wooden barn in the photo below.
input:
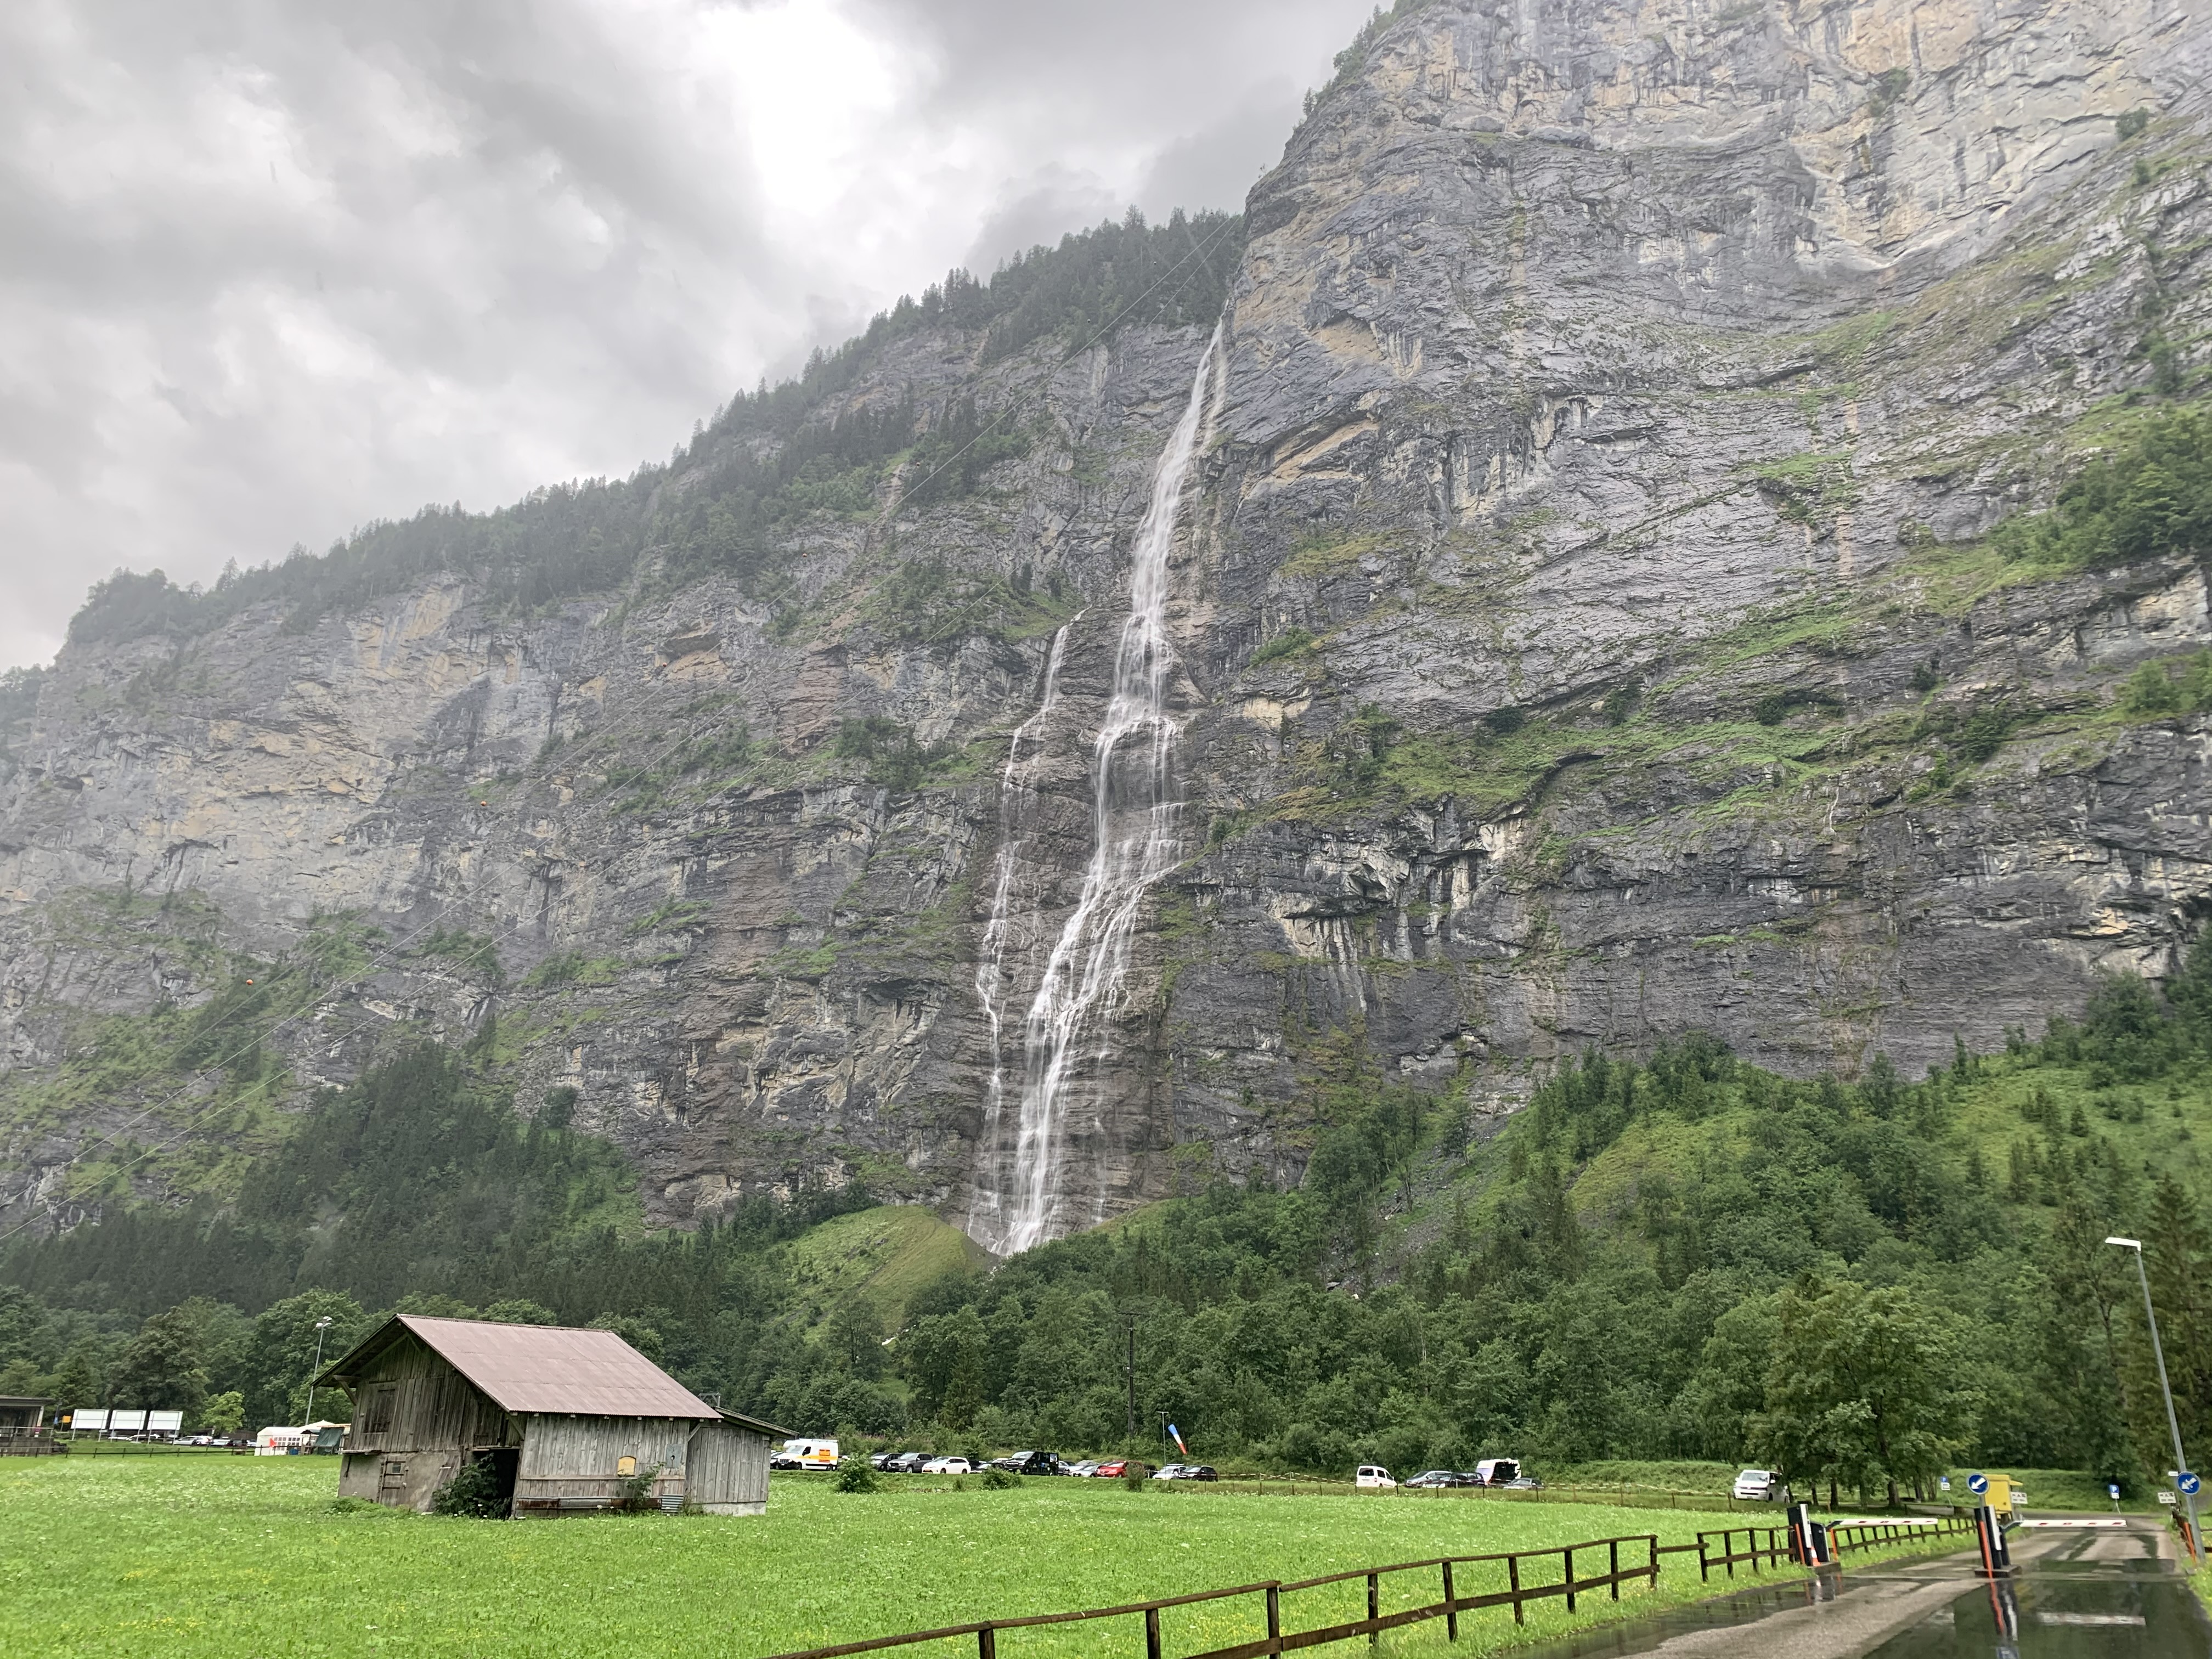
(564, 1418)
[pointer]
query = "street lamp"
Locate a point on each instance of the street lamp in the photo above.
(2172, 1422)
(322, 1325)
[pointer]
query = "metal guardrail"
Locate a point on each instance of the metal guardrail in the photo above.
(1515, 1594)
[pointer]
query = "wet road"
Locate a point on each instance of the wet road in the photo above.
(2092, 1591)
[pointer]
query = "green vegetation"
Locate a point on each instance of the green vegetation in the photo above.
(1687, 1257)
(1292, 642)
(2149, 495)
(172, 1558)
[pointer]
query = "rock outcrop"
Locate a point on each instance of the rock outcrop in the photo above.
(1585, 634)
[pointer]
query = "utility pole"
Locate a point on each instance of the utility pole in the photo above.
(321, 1325)
(2172, 1422)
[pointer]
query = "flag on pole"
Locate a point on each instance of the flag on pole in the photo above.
(1177, 1434)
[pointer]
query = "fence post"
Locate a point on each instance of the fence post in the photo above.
(1152, 1633)
(1568, 1557)
(1275, 1617)
(1612, 1556)
(1451, 1607)
(1374, 1604)
(1651, 1577)
(986, 1644)
(1704, 1567)
(1751, 1548)
(1728, 1549)
(1513, 1576)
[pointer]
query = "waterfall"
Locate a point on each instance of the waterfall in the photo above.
(1134, 822)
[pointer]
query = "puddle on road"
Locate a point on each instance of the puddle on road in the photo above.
(1745, 1608)
(2089, 1602)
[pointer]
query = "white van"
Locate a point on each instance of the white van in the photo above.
(1758, 1485)
(1373, 1476)
(804, 1454)
(279, 1441)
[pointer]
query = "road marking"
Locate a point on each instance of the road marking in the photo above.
(2088, 1618)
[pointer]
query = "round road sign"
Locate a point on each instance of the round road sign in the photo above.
(1977, 1483)
(2188, 1483)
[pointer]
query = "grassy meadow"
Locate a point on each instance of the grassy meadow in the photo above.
(155, 1557)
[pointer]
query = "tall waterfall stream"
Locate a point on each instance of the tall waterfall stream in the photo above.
(1134, 817)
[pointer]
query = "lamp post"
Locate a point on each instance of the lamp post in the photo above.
(321, 1325)
(2172, 1422)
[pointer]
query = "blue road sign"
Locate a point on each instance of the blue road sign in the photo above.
(1945, 1481)
(2113, 1489)
(1977, 1483)
(2188, 1483)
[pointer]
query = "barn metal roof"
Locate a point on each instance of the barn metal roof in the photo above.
(547, 1369)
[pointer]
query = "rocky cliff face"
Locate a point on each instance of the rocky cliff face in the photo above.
(1583, 634)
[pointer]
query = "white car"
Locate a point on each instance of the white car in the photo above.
(1758, 1485)
(1374, 1477)
(948, 1465)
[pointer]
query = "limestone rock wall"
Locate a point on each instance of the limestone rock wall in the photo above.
(1582, 623)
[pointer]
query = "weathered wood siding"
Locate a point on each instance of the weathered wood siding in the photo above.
(416, 1419)
(575, 1462)
(728, 1473)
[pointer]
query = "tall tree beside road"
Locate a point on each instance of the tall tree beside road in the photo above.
(1865, 1387)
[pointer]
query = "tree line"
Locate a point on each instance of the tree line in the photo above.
(1859, 1281)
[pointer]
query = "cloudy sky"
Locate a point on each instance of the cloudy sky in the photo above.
(272, 268)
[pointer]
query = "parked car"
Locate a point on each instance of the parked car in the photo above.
(1198, 1472)
(1030, 1463)
(948, 1465)
(1758, 1485)
(1114, 1467)
(1373, 1477)
(1436, 1477)
(1168, 1472)
(1083, 1470)
(1524, 1483)
(1497, 1471)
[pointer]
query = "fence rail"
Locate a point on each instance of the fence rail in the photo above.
(1875, 1535)
(1517, 1589)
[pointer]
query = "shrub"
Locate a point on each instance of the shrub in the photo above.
(1288, 643)
(2150, 494)
(1134, 1481)
(1505, 721)
(634, 1493)
(998, 1479)
(854, 1475)
(473, 1491)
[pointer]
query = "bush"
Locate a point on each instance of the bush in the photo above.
(634, 1493)
(855, 1475)
(1134, 1482)
(2150, 494)
(998, 1479)
(473, 1491)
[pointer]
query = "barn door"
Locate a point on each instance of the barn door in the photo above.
(391, 1482)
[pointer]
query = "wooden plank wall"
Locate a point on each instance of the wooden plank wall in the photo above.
(436, 1416)
(578, 1458)
(728, 1472)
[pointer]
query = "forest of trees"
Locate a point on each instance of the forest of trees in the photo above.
(769, 458)
(1863, 1281)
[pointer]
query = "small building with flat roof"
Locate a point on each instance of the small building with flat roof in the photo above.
(566, 1420)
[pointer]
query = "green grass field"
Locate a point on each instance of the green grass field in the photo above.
(153, 1557)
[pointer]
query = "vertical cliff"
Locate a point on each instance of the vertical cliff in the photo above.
(1582, 627)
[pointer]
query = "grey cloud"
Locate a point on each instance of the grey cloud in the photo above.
(270, 270)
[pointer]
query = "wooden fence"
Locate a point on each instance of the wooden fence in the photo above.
(1521, 1576)
(1524, 1575)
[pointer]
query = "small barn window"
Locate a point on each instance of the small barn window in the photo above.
(625, 1466)
(376, 1412)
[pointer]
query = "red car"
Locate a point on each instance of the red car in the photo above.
(1113, 1469)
